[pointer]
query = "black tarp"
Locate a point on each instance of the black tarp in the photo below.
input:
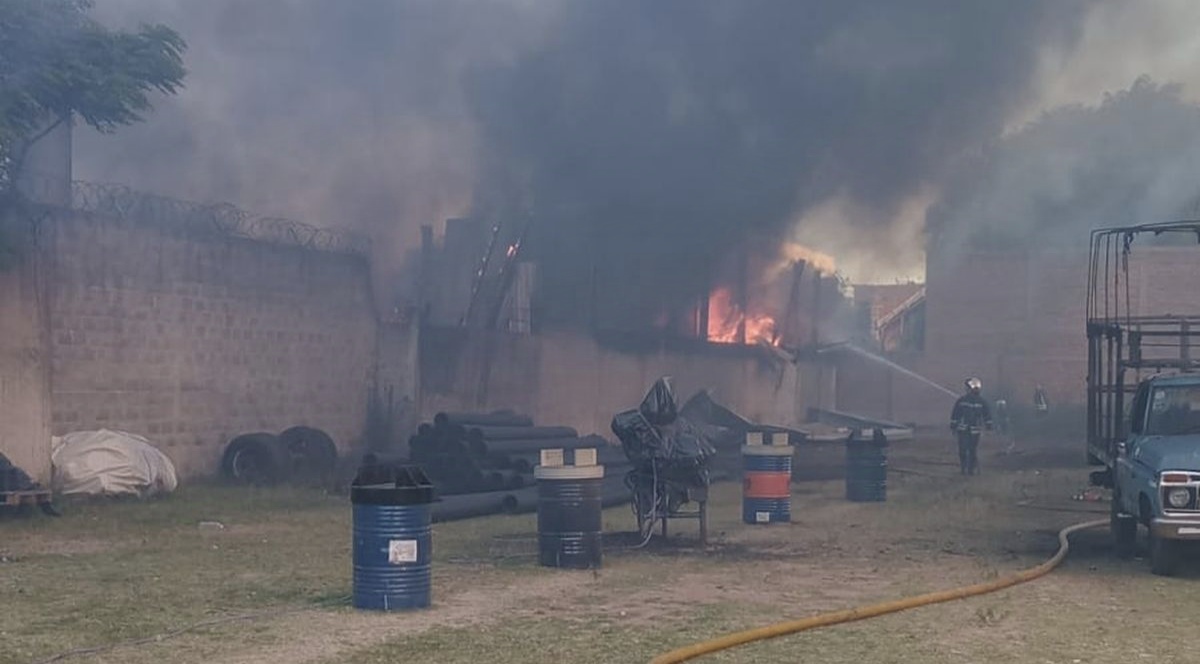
(656, 438)
(13, 478)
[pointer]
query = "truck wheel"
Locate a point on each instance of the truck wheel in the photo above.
(1164, 556)
(1124, 531)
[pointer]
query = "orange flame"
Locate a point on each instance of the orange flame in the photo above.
(725, 318)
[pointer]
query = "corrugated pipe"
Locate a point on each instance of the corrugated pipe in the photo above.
(874, 610)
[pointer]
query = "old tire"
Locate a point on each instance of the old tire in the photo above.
(1164, 556)
(312, 452)
(255, 458)
(1124, 530)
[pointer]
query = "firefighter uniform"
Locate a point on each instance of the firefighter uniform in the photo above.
(968, 420)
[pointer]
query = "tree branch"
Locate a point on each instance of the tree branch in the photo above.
(18, 162)
(43, 133)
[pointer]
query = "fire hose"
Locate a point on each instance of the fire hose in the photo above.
(875, 610)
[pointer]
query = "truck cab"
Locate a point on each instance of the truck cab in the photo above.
(1155, 474)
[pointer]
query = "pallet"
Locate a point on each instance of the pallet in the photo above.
(17, 500)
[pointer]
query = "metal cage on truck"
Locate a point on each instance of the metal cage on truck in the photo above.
(1124, 348)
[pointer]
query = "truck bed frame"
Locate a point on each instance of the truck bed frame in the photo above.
(1120, 343)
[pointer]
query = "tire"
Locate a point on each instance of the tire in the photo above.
(312, 453)
(255, 458)
(1124, 530)
(1164, 556)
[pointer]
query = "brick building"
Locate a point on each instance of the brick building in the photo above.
(1016, 320)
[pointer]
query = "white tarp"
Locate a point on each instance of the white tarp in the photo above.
(110, 463)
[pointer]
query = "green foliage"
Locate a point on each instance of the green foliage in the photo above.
(57, 62)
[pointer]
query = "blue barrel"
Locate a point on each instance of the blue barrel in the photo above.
(866, 468)
(392, 539)
(767, 484)
(569, 508)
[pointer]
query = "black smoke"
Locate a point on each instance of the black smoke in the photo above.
(645, 139)
(649, 138)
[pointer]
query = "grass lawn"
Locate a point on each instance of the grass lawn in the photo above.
(110, 573)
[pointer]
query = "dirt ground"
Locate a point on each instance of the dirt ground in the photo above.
(270, 585)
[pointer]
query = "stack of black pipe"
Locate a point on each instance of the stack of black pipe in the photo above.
(482, 452)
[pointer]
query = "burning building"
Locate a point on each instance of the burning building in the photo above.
(497, 333)
(897, 314)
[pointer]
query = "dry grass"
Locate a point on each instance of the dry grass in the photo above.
(110, 573)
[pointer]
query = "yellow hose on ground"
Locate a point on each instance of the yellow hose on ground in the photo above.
(874, 610)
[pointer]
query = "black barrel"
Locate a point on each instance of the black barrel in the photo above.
(569, 507)
(866, 468)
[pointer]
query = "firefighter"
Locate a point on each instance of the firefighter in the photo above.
(968, 420)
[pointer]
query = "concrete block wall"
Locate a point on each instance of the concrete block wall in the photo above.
(397, 374)
(24, 374)
(191, 340)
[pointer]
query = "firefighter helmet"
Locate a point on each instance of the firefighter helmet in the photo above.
(973, 384)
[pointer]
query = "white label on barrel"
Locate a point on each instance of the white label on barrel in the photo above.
(402, 551)
(762, 517)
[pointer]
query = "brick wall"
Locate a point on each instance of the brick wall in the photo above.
(193, 339)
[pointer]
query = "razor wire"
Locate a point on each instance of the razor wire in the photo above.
(126, 204)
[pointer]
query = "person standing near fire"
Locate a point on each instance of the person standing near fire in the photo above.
(969, 418)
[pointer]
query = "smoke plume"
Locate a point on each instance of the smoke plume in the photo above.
(347, 115)
(652, 137)
(1132, 158)
(644, 139)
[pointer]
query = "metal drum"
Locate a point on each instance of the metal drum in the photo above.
(767, 483)
(866, 469)
(568, 516)
(392, 539)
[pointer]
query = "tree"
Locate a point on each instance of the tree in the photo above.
(57, 62)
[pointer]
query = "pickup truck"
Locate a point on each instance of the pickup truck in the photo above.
(1143, 390)
(1156, 473)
